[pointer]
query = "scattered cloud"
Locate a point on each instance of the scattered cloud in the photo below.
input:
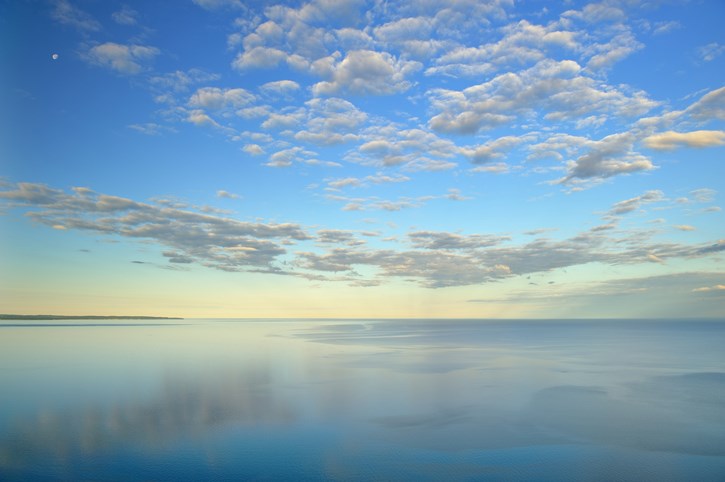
(367, 72)
(213, 241)
(670, 140)
(226, 195)
(710, 289)
(219, 4)
(280, 88)
(152, 128)
(611, 156)
(703, 195)
(253, 149)
(635, 203)
(68, 14)
(215, 98)
(684, 227)
(434, 259)
(558, 88)
(125, 16)
(125, 59)
(711, 51)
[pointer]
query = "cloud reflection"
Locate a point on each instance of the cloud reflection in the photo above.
(185, 406)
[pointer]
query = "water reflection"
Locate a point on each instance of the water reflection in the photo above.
(355, 401)
(186, 406)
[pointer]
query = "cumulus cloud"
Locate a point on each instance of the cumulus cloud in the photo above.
(280, 88)
(331, 121)
(610, 156)
(522, 43)
(368, 72)
(215, 98)
(493, 150)
(286, 157)
(412, 149)
(126, 59)
(618, 48)
(556, 90)
(226, 194)
(253, 149)
(670, 140)
(267, 57)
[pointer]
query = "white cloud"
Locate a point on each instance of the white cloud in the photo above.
(211, 240)
(621, 46)
(331, 121)
(378, 178)
(125, 16)
(710, 107)
(412, 149)
(684, 227)
(285, 120)
(435, 259)
(151, 128)
(267, 57)
(215, 98)
(492, 150)
(126, 59)
(280, 88)
(180, 81)
(711, 51)
(610, 156)
(226, 194)
(218, 4)
(495, 168)
(68, 14)
(253, 149)
(670, 140)
(522, 43)
(453, 241)
(345, 182)
(632, 204)
(555, 90)
(704, 195)
(286, 157)
(666, 27)
(368, 72)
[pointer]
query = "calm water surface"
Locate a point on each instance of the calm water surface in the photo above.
(362, 400)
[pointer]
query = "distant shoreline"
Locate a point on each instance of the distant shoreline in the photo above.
(86, 317)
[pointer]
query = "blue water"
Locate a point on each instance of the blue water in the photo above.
(363, 400)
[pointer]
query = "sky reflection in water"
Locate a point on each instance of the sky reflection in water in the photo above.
(349, 400)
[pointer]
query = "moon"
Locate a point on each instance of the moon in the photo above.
(54, 56)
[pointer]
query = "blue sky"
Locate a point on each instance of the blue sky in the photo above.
(353, 158)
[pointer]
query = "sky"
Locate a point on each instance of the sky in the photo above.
(352, 158)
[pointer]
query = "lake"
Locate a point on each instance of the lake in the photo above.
(362, 400)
